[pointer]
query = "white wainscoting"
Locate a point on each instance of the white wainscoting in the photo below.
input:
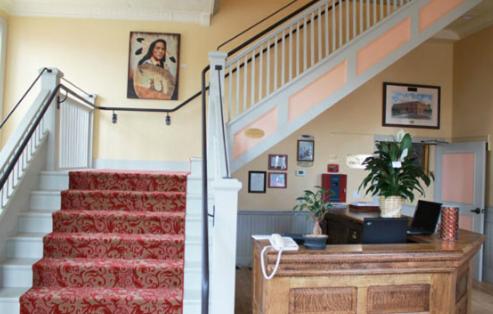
(266, 222)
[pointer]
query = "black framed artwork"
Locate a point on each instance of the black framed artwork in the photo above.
(257, 181)
(411, 105)
(278, 180)
(278, 162)
(305, 150)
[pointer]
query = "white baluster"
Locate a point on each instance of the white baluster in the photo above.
(261, 73)
(361, 16)
(348, 33)
(252, 87)
(290, 41)
(354, 9)
(368, 8)
(388, 6)
(381, 9)
(374, 5)
(333, 26)
(267, 80)
(275, 62)
(327, 52)
(320, 44)
(305, 50)
(283, 58)
(237, 92)
(245, 83)
(230, 92)
(312, 39)
(298, 54)
(339, 6)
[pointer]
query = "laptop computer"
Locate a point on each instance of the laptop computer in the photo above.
(384, 230)
(425, 218)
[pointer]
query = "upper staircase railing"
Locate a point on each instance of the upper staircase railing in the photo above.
(291, 49)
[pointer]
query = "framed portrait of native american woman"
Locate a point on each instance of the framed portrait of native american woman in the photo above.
(411, 105)
(153, 66)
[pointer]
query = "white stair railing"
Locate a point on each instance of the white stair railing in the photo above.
(43, 122)
(262, 68)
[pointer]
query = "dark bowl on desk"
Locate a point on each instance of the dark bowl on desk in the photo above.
(315, 242)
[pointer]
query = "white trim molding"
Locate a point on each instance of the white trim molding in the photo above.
(188, 11)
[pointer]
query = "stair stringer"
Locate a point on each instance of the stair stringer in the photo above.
(274, 109)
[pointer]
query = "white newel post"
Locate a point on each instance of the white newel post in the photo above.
(223, 263)
(215, 151)
(48, 83)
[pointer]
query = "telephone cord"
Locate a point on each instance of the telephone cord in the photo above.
(264, 271)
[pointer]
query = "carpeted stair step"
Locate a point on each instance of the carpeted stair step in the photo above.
(99, 221)
(114, 245)
(108, 273)
(128, 181)
(101, 300)
(123, 200)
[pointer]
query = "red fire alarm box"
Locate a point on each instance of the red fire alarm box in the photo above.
(336, 184)
(333, 168)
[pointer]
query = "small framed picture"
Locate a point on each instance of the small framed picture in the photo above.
(306, 150)
(278, 162)
(411, 105)
(256, 181)
(278, 180)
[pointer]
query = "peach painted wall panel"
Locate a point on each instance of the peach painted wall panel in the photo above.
(317, 91)
(434, 10)
(458, 178)
(266, 123)
(384, 45)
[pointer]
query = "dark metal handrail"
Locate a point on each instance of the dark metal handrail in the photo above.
(255, 25)
(23, 96)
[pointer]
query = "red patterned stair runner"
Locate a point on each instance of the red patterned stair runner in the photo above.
(117, 246)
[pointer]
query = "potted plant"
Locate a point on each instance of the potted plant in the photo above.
(394, 175)
(316, 204)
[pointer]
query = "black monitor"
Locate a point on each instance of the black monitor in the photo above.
(426, 217)
(384, 230)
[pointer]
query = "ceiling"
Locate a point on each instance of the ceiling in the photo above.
(473, 21)
(191, 11)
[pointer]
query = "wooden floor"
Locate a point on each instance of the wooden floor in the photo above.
(482, 296)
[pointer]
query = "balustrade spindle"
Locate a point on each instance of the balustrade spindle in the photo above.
(283, 58)
(319, 32)
(237, 92)
(252, 87)
(245, 82)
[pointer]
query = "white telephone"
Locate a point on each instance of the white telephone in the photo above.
(279, 244)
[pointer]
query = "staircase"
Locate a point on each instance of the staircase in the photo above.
(118, 245)
(283, 80)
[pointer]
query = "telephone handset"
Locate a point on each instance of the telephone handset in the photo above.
(279, 244)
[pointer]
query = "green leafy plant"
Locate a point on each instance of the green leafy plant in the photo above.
(393, 170)
(315, 203)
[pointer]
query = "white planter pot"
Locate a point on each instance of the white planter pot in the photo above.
(390, 206)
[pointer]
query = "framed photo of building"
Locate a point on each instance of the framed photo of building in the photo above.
(278, 180)
(278, 162)
(306, 150)
(153, 66)
(257, 181)
(410, 105)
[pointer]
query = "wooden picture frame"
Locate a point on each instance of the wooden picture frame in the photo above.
(278, 162)
(278, 180)
(153, 65)
(257, 181)
(411, 105)
(305, 150)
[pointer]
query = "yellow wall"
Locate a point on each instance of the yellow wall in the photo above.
(473, 92)
(94, 54)
(349, 127)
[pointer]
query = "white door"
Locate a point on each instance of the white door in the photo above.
(460, 176)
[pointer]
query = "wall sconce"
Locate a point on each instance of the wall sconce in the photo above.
(114, 118)
(168, 119)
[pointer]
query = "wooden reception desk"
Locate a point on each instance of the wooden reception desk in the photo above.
(429, 276)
